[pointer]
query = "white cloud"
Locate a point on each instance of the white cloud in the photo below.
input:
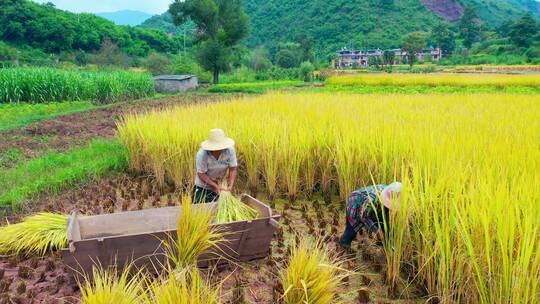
(99, 6)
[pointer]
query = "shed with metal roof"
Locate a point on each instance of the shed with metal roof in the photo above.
(175, 83)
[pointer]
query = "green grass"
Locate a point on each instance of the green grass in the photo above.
(20, 114)
(39, 85)
(10, 156)
(368, 89)
(56, 171)
(254, 87)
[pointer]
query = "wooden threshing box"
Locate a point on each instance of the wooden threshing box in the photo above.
(137, 236)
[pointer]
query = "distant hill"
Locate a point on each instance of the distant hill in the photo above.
(165, 22)
(370, 23)
(492, 12)
(126, 17)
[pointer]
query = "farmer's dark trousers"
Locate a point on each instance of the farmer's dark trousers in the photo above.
(202, 195)
(348, 235)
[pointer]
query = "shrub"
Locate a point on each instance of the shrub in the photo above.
(306, 70)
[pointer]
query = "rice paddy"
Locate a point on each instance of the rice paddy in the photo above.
(467, 231)
(438, 79)
(464, 175)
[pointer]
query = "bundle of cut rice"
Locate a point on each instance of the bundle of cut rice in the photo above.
(35, 235)
(231, 209)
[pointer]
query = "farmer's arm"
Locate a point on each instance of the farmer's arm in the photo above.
(207, 180)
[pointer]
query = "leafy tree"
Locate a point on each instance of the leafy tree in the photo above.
(388, 57)
(413, 43)
(110, 55)
(289, 55)
(221, 24)
(376, 62)
(259, 60)
(522, 32)
(469, 27)
(306, 47)
(306, 70)
(158, 64)
(443, 37)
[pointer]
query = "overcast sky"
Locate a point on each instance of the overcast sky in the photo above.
(100, 6)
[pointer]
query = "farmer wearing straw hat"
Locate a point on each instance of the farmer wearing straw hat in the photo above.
(215, 158)
(365, 211)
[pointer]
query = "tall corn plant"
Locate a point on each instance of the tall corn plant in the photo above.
(39, 85)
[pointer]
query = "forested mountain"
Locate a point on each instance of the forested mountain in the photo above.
(25, 23)
(126, 17)
(369, 23)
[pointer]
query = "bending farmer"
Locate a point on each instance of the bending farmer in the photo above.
(365, 211)
(215, 158)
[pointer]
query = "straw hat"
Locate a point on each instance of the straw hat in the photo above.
(386, 195)
(217, 141)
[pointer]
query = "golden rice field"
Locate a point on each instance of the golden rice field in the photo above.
(438, 79)
(521, 67)
(470, 166)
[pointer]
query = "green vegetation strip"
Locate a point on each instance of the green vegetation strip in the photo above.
(40, 85)
(56, 171)
(368, 89)
(254, 87)
(20, 114)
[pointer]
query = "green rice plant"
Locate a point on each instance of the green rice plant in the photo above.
(36, 234)
(186, 287)
(109, 286)
(26, 180)
(40, 85)
(195, 235)
(231, 209)
(312, 275)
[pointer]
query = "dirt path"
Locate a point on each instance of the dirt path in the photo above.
(64, 132)
(256, 280)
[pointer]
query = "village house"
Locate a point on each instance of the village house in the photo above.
(360, 59)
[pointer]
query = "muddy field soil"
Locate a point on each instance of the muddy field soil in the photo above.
(252, 282)
(65, 132)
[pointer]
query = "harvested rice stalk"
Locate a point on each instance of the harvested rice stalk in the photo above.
(313, 274)
(35, 235)
(186, 287)
(109, 286)
(194, 236)
(231, 209)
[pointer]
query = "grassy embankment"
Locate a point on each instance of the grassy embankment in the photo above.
(254, 87)
(14, 115)
(56, 171)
